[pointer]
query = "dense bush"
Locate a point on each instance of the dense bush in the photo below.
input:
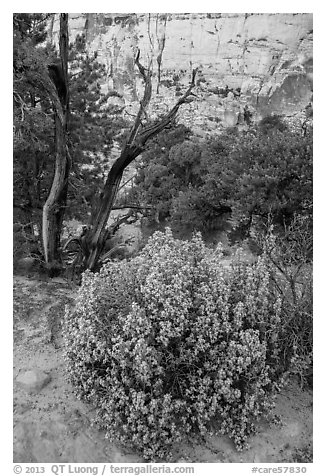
(195, 183)
(156, 181)
(273, 176)
(173, 343)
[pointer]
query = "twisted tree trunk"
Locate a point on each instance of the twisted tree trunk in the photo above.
(54, 207)
(96, 236)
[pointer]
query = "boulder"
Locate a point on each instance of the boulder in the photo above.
(33, 380)
(231, 118)
(26, 264)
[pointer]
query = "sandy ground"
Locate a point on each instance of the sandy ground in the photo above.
(53, 426)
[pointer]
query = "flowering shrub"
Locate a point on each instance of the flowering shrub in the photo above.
(172, 343)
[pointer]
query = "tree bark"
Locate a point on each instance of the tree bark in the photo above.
(98, 234)
(95, 238)
(54, 207)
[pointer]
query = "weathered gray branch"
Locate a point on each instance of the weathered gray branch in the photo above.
(139, 135)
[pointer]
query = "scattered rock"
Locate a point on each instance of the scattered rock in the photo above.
(26, 264)
(257, 459)
(54, 426)
(59, 280)
(230, 118)
(33, 380)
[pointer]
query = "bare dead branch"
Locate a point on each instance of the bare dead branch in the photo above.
(130, 114)
(161, 46)
(133, 207)
(23, 105)
(149, 31)
(126, 182)
(148, 83)
(151, 131)
(144, 101)
(138, 136)
(141, 68)
(120, 221)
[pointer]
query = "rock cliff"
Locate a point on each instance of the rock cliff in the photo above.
(261, 63)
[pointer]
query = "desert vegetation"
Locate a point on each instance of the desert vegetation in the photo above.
(184, 334)
(172, 342)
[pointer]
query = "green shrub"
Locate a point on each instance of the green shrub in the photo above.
(193, 184)
(172, 343)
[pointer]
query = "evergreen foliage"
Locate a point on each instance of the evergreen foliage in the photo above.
(33, 128)
(263, 172)
(92, 127)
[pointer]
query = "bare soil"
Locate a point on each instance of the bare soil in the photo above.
(53, 426)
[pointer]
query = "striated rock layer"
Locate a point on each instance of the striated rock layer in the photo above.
(261, 60)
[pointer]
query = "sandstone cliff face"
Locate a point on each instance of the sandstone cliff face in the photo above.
(263, 61)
